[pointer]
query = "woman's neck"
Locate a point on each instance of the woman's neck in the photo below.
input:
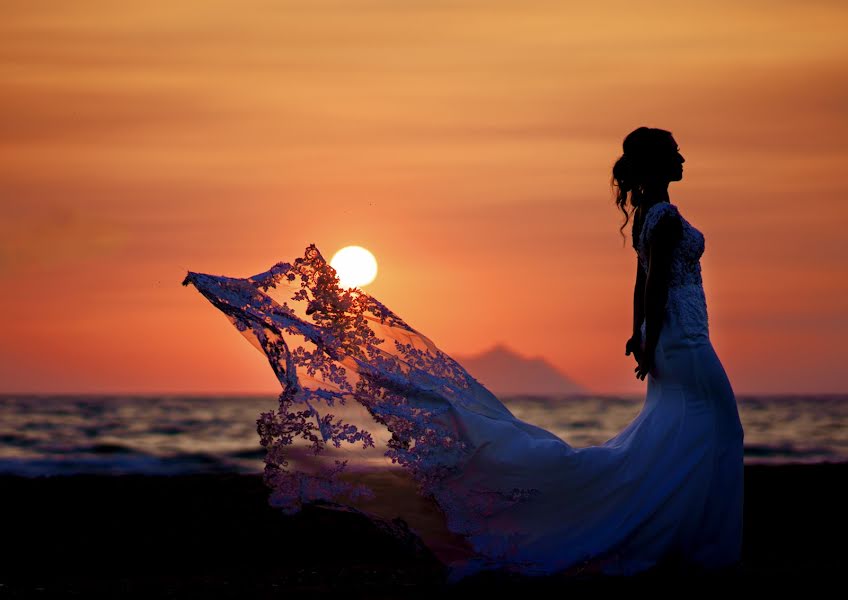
(654, 194)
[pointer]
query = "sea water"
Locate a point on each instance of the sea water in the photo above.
(116, 434)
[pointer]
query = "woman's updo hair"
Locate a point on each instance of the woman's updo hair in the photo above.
(637, 166)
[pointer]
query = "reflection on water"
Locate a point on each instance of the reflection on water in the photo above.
(185, 434)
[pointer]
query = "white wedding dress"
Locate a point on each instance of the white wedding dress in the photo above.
(366, 397)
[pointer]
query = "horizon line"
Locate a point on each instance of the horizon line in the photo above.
(184, 393)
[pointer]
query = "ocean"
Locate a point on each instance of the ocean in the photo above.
(172, 435)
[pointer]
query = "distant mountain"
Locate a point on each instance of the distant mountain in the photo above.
(506, 373)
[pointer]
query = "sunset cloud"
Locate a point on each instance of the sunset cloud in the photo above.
(467, 144)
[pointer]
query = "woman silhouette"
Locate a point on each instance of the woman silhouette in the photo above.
(369, 403)
(671, 341)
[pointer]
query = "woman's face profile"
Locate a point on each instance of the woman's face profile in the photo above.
(663, 162)
(676, 163)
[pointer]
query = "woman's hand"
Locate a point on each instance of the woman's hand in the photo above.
(644, 358)
(634, 345)
(646, 363)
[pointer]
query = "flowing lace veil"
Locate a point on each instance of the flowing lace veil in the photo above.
(371, 412)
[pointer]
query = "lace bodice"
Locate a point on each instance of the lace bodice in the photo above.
(686, 299)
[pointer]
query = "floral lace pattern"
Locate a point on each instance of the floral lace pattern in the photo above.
(686, 299)
(337, 351)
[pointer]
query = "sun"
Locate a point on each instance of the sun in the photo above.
(355, 266)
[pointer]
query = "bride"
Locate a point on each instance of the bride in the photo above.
(374, 418)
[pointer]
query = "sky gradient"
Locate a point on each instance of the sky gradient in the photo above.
(467, 144)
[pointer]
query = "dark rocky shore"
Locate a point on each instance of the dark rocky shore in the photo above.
(216, 535)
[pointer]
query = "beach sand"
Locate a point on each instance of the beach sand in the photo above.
(156, 536)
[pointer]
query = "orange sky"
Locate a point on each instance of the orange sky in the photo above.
(468, 144)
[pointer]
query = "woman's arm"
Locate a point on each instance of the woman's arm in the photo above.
(665, 237)
(639, 299)
(634, 344)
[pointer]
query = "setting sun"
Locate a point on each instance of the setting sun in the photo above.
(355, 266)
